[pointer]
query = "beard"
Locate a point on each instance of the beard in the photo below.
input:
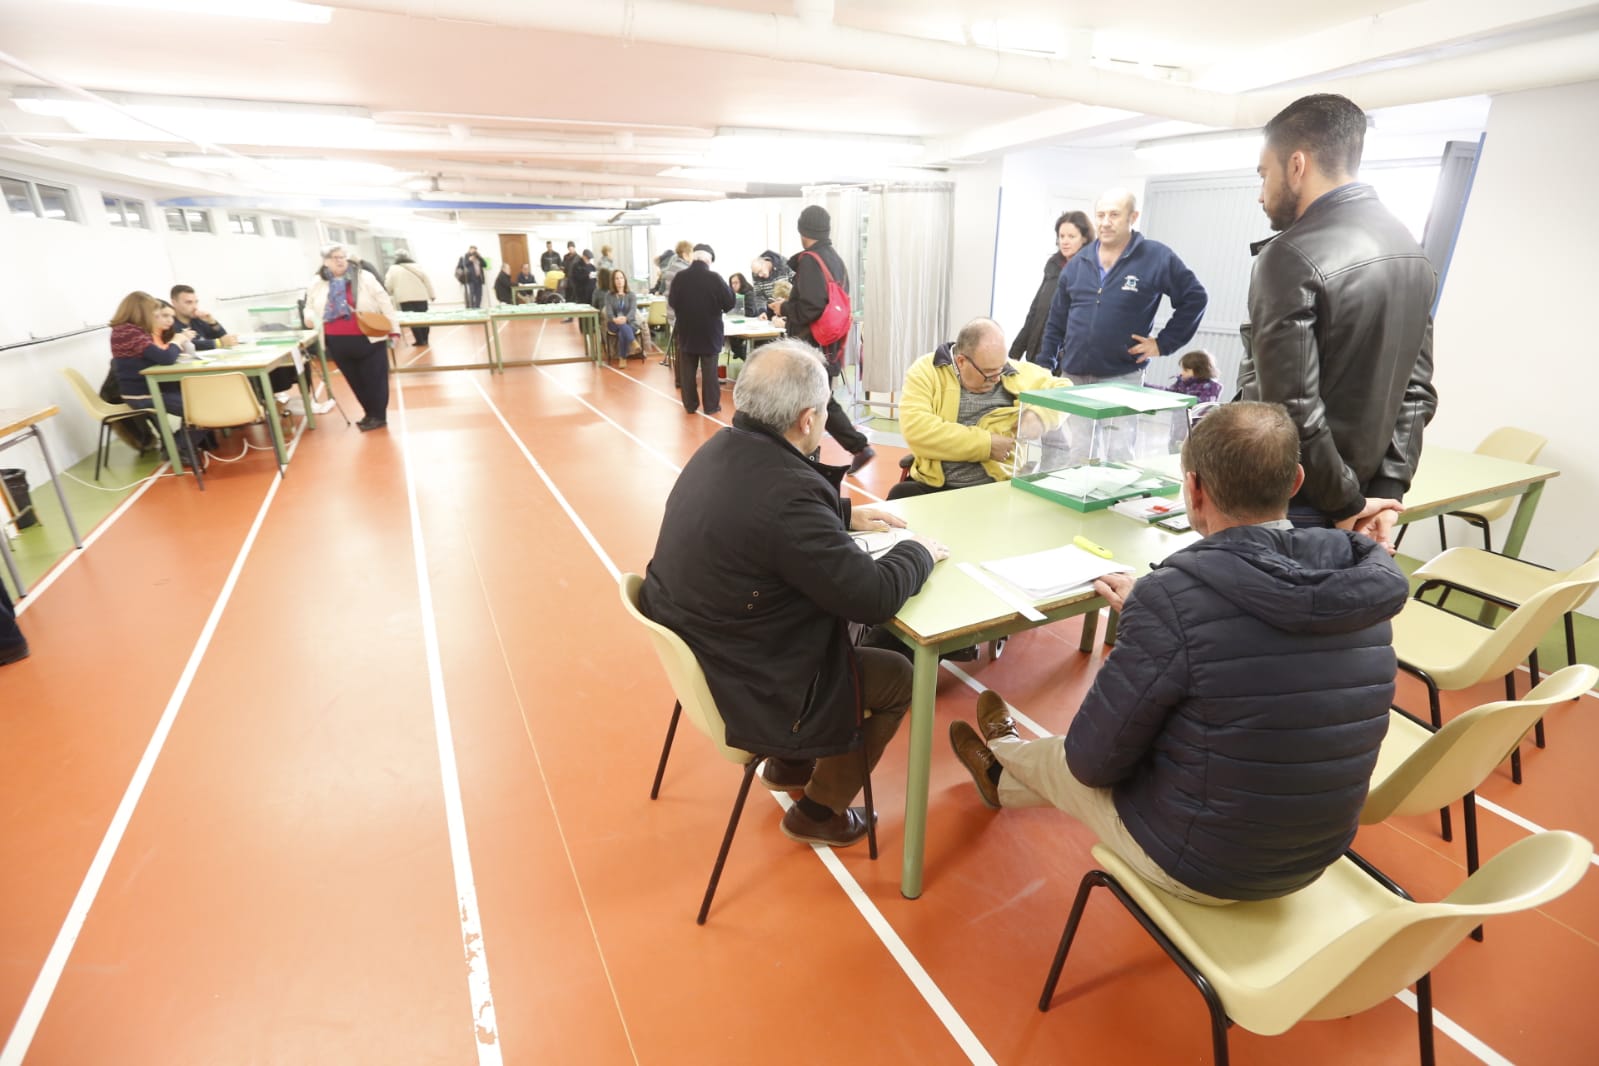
(1280, 212)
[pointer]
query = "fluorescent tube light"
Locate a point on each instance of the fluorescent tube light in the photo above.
(268, 10)
(215, 121)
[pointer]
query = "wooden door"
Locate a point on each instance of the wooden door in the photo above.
(513, 250)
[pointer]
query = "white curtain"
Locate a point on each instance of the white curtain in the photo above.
(906, 279)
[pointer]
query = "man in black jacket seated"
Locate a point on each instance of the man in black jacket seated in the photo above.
(1225, 748)
(756, 571)
(1340, 320)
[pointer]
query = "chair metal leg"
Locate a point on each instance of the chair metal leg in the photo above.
(1444, 827)
(1443, 534)
(1424, 1019)
(1487, 537)
(1515, 764)
(102, 448)
(1571, 641)
(1219, 1022)
(1401, 538)
(1434, 705)
(195, 462)
(1532, 683)
(727, 839)
(666, 749)
(871, 810)
(1469, 801)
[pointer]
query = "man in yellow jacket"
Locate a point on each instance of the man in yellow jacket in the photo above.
(958, 410)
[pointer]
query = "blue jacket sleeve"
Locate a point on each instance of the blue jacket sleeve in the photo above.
(1188, 301)
(1048, 354)
(1142, 680)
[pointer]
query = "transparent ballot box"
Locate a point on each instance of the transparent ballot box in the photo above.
(275, 319)
(1085, 446)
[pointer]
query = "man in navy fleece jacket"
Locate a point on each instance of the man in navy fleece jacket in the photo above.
(1104, 308)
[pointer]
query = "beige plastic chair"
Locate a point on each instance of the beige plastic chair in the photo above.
(1338, 947)
(107, 414)
(1499, 579)
(1449, 652)
(1506, 442)
(694, 696)
(217, 401)
(1420, 770)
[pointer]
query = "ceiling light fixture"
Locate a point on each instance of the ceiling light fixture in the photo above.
(269, 10)
(217, 121)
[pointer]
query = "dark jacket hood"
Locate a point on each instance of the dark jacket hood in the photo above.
(1299, 580)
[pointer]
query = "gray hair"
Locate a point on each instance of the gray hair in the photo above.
(704, 256)
(329, 249)
(973, 333)
(781, 381)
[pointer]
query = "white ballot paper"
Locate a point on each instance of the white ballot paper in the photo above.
(1149, 400)
(1050, 574)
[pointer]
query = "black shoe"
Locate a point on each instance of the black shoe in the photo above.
(372, 423)
(862, 457)
(12, 653)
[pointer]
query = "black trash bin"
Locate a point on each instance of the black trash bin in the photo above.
(17, 487)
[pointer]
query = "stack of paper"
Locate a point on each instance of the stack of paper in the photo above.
(1052, 573)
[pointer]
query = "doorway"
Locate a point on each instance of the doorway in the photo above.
(513, 250)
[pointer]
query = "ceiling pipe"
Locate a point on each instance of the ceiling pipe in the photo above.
(789, 38)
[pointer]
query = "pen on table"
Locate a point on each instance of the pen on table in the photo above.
(1089, 546)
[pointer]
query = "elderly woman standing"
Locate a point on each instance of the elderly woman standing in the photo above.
(333, 300)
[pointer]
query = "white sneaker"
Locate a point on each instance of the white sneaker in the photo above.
(324, 407)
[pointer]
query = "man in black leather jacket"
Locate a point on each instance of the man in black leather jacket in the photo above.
(1340, 321)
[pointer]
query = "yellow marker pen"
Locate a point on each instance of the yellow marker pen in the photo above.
(1089, 546)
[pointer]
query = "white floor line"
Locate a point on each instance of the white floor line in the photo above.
(477, 967)
(55, 963)
(923, 982)
(1441, 1021)
(94, 534)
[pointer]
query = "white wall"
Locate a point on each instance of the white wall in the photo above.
(739, 230)
(976, 223)
(1511, 347)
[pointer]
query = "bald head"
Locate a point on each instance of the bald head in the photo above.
(980, 355)
(1114, 214)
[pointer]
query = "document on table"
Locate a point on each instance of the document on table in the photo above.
(1090, 480)
(1146, 401)
(1055, 572)
(876, 543)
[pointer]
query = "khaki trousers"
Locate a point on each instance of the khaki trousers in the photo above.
(886, 694)
(1036, 775)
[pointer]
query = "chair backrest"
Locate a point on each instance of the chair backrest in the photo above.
(1517, 445)
(90, 399)
(216, 400)
(657, 313)
(1461, 755)
(1518, 634)
(1380, 957)
(1345, 943)
(1508, 442)
(682, 672)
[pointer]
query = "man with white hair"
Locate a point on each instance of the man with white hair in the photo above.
(699, 297)
(755, 569)
(1104, 309)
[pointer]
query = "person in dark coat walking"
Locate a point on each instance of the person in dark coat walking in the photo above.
(805, 305)
(699, 297)
(1072, 232)
(1226, 745)
(755, 569)
(472, 270)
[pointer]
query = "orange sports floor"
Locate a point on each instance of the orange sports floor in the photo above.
(229, 773)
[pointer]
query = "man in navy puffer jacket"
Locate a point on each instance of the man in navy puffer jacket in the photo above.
(1225, 748)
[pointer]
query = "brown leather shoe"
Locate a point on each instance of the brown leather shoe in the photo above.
(839, 831)
(993, 717)
(785, 775)
(975, 756)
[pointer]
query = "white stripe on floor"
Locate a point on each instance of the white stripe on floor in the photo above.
(486, 1029)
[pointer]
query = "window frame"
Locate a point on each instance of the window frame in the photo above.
(242, 224)
(126, 212)
(35, 191)
(284, 227)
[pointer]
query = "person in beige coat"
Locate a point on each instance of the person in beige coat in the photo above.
(332, 302)
(411, 289)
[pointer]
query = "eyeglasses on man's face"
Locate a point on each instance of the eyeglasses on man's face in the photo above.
(989, 376)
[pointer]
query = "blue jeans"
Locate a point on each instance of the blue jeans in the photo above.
(624, 338)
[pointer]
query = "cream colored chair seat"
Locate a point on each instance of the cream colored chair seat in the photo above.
(1344, 944)
(217, 401)
(107, 414)
(1499, 579)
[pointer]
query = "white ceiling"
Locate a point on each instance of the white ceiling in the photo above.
(593, 100)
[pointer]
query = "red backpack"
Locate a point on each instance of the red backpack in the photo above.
(832, 325)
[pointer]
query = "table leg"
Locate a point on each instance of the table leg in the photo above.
(496, 358)
(55, 479)
(307, 397)
(1523, 520)
(1090, 631)
(924, 695)
(165, 427)
(273, 421)
(538, 338)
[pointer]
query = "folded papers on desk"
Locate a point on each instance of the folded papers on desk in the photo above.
(1050, 574)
